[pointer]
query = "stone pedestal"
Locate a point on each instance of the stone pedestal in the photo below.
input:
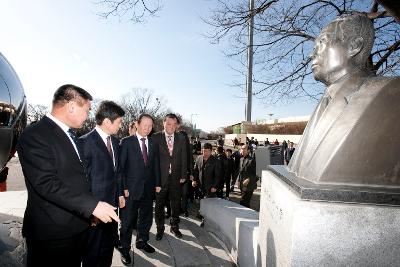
(303, 224)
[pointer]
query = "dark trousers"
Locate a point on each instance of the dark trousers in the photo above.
(185, 195)
(67, 252)
(175, 202)
(227, 186)
(144, 209)
(235, 175)
(246, 197)
(100, 246)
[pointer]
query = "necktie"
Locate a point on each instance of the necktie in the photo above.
(73, 136)
(109, 147)
(170, 144)
(144, 150)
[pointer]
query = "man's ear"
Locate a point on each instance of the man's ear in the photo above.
(70, 106)
(356, 46)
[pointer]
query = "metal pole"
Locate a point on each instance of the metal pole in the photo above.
(250, 63)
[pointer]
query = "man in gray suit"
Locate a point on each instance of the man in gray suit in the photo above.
(171, 147)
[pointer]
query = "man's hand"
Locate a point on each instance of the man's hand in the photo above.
(246, 181)
(126, 193)
(194, 183)
(121, 201)
(105, 212)
(158, 189)
(182, 181)
(213, 190)
(94, 221)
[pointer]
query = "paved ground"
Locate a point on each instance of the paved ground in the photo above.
(196, 248)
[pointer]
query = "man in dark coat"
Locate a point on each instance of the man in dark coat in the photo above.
(247, 176)
(207, 172)
(140, 170)
(171, 147)
(60, 205)
(100, 155)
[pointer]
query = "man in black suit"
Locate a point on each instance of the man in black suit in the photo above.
(140, 170)
(100, 155)
(60, 205)
(207, 172)
(247, 176)
(173, 173)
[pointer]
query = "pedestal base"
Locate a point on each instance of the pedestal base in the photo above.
(299, 232)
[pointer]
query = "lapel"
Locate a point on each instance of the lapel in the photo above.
(164, 144)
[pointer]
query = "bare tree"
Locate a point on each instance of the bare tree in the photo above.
(136, 10)
(284, 32)
(139, 101)
(36, 112)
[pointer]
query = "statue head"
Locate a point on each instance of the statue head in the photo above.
(343, 46)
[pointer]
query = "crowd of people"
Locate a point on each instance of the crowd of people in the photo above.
(76, 186)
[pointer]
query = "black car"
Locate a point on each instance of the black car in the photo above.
(13, 115)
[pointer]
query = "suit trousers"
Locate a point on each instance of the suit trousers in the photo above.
(66, 252)
(101, 241)
(246, 197)
(144, 210)
(185, 195)
(175, 201)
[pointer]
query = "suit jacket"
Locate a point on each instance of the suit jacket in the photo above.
(177, 161)
(248, 170)
(104, 177)
(59, 201)
(208, 173)
(139, 179)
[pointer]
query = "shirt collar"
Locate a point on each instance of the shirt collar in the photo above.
(140, 137)
(102, 134)
(62, 125)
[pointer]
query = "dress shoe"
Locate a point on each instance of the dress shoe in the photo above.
(159, 236)
(145, 246)
(186, 214)
(125, 256)
(176, 232)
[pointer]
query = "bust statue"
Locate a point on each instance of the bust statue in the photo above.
(353, 135)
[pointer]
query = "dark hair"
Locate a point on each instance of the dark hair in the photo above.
(207, 146)
(228, 150)
(220, 150)
(68, 92)
(144, 115)
(108, 110)
(172, 116)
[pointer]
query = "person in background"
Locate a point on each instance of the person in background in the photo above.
(99, 151)
(236, 166)
(207, 172)
(223, 161)
(247, 176)
(229, 173)
(276, 142)
(60, 206)
(289, 152)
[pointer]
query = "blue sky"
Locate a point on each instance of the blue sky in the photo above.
(50, 43)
